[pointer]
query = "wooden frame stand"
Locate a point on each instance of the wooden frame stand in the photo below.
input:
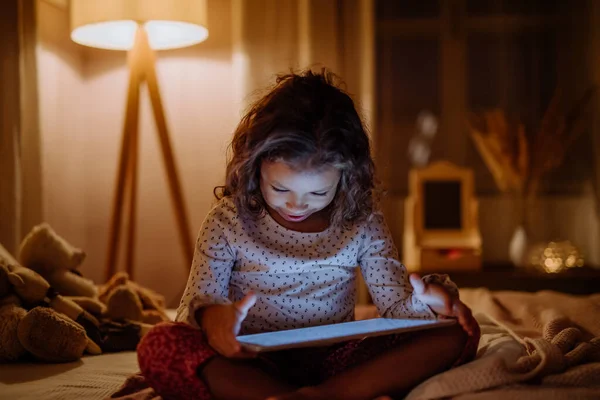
(141, 61)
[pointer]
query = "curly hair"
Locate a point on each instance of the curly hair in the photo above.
(307, 121)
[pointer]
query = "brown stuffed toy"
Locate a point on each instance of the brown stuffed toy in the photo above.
(40, 322)
(57, 261)
(131, 311)
(127, 301)
(51, 256)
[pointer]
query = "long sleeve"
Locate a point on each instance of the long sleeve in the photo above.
(208, 282)
(384, 275)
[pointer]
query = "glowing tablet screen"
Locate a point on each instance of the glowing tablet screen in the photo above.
(329, 334)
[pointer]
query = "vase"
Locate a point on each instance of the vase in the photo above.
(526, 221)
(518, 245)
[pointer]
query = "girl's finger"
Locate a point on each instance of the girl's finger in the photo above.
(469, 328)
(448, 303)
(466, 328)
(466, 311)
(473, 325)
(417, 283)
(458, 313)
(245, 304)
(465, 318)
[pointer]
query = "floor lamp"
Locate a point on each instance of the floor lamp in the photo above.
(140, 27)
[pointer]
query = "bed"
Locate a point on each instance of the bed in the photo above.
(543, 345)
(93, 377)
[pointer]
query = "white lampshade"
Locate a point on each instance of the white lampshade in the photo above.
(111, 24)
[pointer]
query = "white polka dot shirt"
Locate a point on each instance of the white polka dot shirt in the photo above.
(300, 279)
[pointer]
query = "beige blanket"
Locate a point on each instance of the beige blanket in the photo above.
(543, 345)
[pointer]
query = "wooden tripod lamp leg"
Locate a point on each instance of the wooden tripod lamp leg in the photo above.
(125, 173)
(167, 152)
(133, 184)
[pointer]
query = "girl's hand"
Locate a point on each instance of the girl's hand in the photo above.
(443, 303)
(221, 323)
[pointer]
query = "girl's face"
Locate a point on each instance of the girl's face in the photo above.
(295, 195)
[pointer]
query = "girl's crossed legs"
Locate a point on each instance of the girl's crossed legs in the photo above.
(179, 364)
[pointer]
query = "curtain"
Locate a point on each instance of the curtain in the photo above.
(594, 48)
(275, 36)
(20, 172)
(9, 127)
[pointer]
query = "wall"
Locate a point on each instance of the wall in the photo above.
(82, 101)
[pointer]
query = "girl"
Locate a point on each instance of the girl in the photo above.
(279, 251)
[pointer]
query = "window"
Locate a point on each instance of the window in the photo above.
(453, 57)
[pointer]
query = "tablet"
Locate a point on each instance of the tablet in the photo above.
(324, 335)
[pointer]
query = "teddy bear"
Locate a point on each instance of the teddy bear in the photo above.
(114, 316)
(38, 321)
(51, 256)
(127, 301)
(55, 259)
(131, 311)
